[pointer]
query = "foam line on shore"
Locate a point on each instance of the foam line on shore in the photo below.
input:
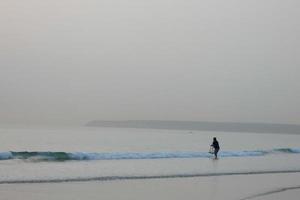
(115, 178)
(271, 192)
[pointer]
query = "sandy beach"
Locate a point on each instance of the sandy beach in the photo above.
(236, 187)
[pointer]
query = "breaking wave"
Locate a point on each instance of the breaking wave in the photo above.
(66, 156)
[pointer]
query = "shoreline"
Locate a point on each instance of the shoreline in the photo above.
(152, 177)
(272, 192)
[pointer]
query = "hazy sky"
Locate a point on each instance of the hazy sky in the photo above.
(71, 61)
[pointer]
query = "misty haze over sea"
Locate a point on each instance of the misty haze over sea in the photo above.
(201, 125)
(139, 99)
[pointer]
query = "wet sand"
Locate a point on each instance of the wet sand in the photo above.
(234, 187)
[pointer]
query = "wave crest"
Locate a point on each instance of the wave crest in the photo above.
(65, 156)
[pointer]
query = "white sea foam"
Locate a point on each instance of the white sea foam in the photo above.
(64, 156)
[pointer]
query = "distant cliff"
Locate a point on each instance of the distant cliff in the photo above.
(203, 126)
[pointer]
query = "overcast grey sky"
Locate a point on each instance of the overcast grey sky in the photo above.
(71, 61)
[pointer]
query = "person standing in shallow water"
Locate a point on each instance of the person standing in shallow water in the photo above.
(216, 147)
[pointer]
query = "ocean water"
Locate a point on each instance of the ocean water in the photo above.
(87, 154)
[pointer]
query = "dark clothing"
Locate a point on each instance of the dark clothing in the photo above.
(216, 147)
(215, 144)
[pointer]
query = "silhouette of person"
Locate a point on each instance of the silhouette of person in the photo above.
(216, 147)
